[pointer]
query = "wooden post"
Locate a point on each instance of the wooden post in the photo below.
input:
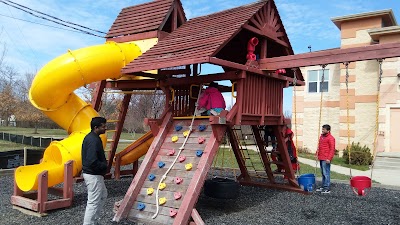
(98, 92)
(238, 154)
(42, 190)
(282, 148)
(197, 218)
(263, 153)
(68, 180)
(117, 134)
(239, 101)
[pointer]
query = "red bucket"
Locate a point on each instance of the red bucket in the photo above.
(359, 184)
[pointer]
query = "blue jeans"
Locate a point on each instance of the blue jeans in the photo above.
(326, 174)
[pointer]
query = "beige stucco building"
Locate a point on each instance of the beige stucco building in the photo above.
(356, 30)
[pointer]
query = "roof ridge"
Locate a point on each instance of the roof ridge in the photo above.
(226, 10)
(146, 3)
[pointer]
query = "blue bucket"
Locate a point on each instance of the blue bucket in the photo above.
(307, 182)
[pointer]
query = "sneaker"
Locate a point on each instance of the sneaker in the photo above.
(326, 191)
(320, 189)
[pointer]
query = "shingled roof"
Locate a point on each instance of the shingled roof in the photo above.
(204, 38)
(195, 40)
(144, 17)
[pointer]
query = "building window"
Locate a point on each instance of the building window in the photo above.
(315, 84)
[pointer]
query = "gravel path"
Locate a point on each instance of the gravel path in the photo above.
(253, 206)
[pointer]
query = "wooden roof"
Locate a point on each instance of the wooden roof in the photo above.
(204, 37)
(144, 17)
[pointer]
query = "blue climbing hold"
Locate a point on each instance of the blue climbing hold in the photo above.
(199, 153)
(141, 206)
(178, 127)
(161, 164)
(202, 127)
(152, 177)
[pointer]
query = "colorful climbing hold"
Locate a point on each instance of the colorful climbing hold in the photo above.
(188, 166)
(162, 201)
(162, 186)
(161, 164)
(174, 139)
(178, 127)
(152, 177)
(141, 206)
(201, 140)
(171, 152)
(182, 158)
(173, 212)
(150, 191)
(186, 133)
(178, 180)
(199, 153)
(177, 195)
(202, 127)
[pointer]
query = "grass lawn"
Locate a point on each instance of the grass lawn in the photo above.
(226, 158)
(336, 161)
(57, 132)
(9, 146)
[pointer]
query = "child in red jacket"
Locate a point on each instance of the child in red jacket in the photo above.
(211, 101)
(325, 153)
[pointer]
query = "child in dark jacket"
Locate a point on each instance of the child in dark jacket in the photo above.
(325, 153)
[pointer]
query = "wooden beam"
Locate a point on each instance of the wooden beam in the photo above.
(119, 127)
(264, 45)
(332, 56)
(263, 153)
(274, 186)
(174, 72)
(132, 84)
(234, 65)
(238, 154)
(144, 74)
(231, 75)
(268, 33)
(98, 92)
(134, 37)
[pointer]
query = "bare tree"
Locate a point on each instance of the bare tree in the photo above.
(143, 106)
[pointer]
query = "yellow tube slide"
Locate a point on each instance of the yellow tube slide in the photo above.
(137, 149)
(52, 92)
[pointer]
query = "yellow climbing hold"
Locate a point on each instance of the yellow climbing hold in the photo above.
(162, 186)
(186, 133)
(188, 166)
(162, 201)
(174, 139)
(150, 191)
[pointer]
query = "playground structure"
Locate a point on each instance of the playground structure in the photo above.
(160, 50)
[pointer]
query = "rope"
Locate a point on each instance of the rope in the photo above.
(380, 61)
(295, 117)
(177, 156)
(320, 116)
(348, 115)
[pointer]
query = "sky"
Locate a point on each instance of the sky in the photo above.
(30, 45)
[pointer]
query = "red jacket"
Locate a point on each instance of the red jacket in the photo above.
(211, 98)
(289, 134)
(326, 148)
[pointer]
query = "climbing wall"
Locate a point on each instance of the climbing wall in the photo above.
(183, 183)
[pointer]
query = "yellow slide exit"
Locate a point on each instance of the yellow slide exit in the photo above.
(52, 92)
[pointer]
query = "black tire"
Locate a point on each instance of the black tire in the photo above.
(221, 188)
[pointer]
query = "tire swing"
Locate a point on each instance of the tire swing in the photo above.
(361, 185)
(222, 186)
